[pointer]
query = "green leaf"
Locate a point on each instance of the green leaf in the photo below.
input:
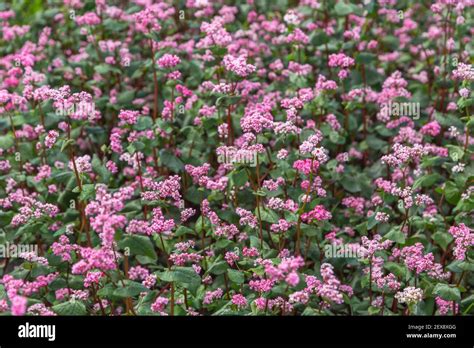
(426, 180)
(451, 193)
(228, 100)
(365, 58)
(375, 143)
(72, 307)
(236, 276)
(87, 193)
(184, 276)
(240, 177)
(144, 122)
(371, 222)
(397, 269)
(447, 292)
(131, 289)
(310, 231)
(125, 97)
(343, 9)
(267, 215)
(138, 245)
(455, 152)
(350, 184)
(171, 161)
(396, 235)
(319, 39)
(100, 169)
(66, 143)
(218, 267)
(442, 238)
(466, 266)
(6, 141)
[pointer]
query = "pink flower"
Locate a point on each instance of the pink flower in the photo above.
(464, 239)
(318, 213)
(18, 305)
(51, 139)
(306, 166)
(159, 305)
(239, 300)
(433, 128)
(168, 61)
(238, 65)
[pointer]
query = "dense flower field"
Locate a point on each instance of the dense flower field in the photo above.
(202, 157)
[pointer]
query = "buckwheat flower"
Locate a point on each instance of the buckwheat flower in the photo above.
(52, 189)
(419, 262)
(281, 226)
(463, 239)
(186, 214)
(146, 21)
(299, 297)
(464, 72)
(32, 257)
(464, 92)
(292, 17)
(250, 252)
(319, 213)
(297, 36)
(381, 217)
(324, 84)
(377, 302)
(149, 281)
(138, 273)
(433, 128)
(458, 168)
(343, 74)
(168, 61)
(128, 117)
(92, 278)
(246, 218)
(216, 34)
(211, 296)
(83, 164)
(159, 305)
(90, 18)
(306, 166)
(5, 166)
(50, 139)
(238, 65)
(223, 130)
(423, 200)
(18, 305)
(111, 167)
(444, 306)
(40, 309)
(356, 203)
(330, 287)
(451, 106)
(340, 60)
(229, 231)
(239, 300)
(409, 295)
(292, 279)
(231, 257)
(467, 194)
(282, 154)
